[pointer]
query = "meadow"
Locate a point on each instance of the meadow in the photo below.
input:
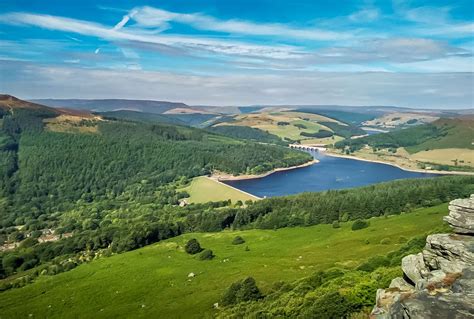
(153, 281)
(202, 189)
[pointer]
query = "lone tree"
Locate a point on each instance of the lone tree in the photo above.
(193, 247)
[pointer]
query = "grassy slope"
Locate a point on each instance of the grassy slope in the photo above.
(203, 189)
(153, 282)
(344, 116)
(269, 122)
(446, 156)
(459, 133)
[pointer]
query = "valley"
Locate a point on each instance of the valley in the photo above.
(236, 159)
(119, 194)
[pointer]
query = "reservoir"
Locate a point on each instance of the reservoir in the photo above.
(330, 173)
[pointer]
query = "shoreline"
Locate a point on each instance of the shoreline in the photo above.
(227, 177)
(415, 170)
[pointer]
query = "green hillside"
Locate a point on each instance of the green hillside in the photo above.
(247, 133)
(141, 116)
(443, 133)
(114, 185)
(452, 133)
(355, 118)
(153, 281)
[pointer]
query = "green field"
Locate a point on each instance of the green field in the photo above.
(153, 281)
(203, 189)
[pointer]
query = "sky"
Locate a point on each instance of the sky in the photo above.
(404, 53)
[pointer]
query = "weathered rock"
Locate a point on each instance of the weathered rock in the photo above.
(461, 215)
(449, 252)
(401, 284)
(439, 282)
(414, 267)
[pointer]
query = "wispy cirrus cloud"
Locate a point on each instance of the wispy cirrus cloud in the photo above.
(372, 55)
(119, 34)
(155, 17)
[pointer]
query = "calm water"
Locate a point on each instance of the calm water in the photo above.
(329, 173)
(371, 132)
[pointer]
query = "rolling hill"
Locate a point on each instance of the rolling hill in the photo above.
(107, 105)
(301, 127)
(445, 144)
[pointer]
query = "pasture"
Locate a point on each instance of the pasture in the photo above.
(153, 281)
(203, 189)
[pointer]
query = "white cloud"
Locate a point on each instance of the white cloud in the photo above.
(431, 90)
(365, 15)
(154, 17)
(194, 43)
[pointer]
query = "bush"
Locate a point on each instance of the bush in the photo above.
(29, 242)
(385, 241)
(374, 263)
(402, 240)
(238, 240)
(330, 305)
(193, 247)
(206, 254)
(335, 224)
(319, 134)
(360, 224)
(245, 290)
(345, 217)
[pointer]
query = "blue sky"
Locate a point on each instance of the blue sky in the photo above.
(400, 52)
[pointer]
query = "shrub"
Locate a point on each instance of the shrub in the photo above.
(29, 242)
(244, 290)
(300, 126)
(238, 240)
(385, 241)
(192, 246)
(335, 224)
(330, 305)
(402, 240)
(319, 134)
(360, 224)
(374, 263)
(206, 254)
(345, 217)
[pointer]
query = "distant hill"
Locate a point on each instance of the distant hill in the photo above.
(26, 113)
(8, 102)
(353, 117)
(445, 144)
(141, 117)
(107, 105)
(304, 127)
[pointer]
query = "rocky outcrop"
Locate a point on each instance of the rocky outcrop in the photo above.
(439, 281)
(461, 215)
